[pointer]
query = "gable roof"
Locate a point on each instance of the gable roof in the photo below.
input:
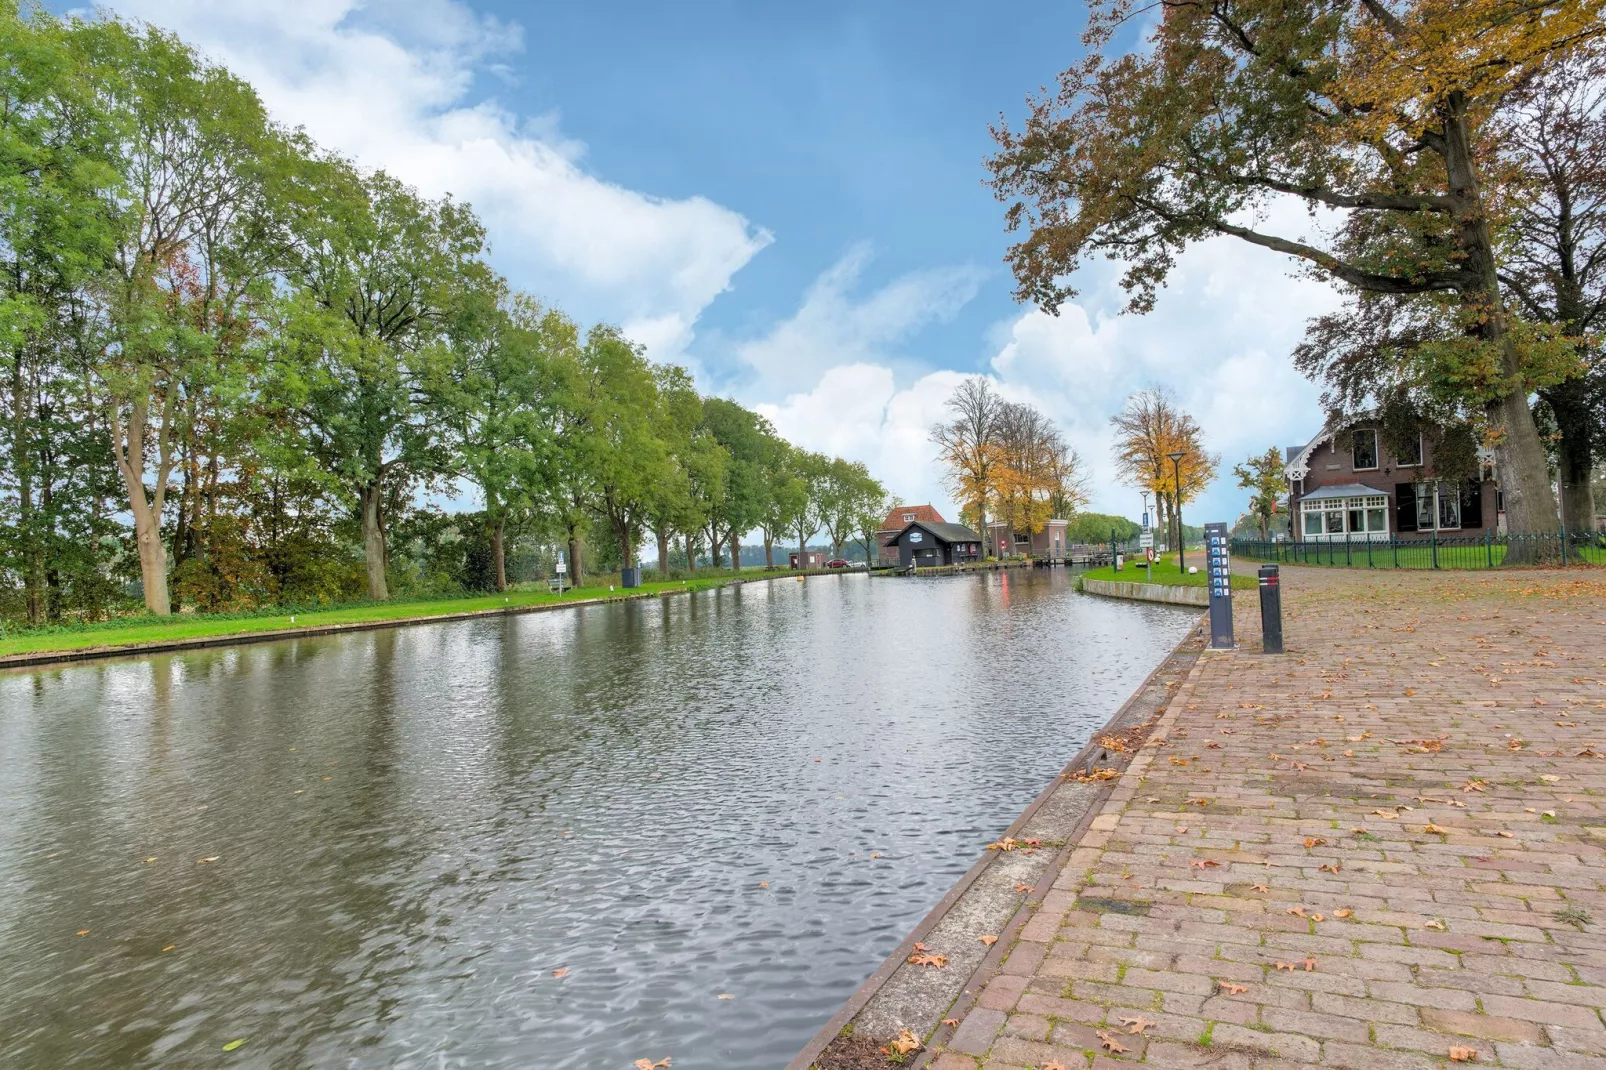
(926, 514)
(944, 532)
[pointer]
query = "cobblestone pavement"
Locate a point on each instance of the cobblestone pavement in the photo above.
(1384, 849)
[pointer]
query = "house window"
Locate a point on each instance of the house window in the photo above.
(1335, 522)
(908, 518)
(1363, 448)
(1298, 487)
(1413, 455)
(1313, 523)
(1438, 506)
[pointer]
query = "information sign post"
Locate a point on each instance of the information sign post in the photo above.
(1218, 569)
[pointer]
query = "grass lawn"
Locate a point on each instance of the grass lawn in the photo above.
(1166, 572)
(127, 631)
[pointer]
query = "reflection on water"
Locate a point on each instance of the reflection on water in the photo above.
(752, 792)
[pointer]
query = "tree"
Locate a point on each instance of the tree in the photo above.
(1149, 428)
(380, 272)
(498, 394)
(1263, 475)
(1372, 112)
(785, 495)
(745, 438)
(967, 445)
(809, 489)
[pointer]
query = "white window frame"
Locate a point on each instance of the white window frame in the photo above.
(1377, 453)
(1366, 505)
(1398, 463)
(1439, 498)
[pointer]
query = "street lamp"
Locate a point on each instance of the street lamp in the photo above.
(1182, 548)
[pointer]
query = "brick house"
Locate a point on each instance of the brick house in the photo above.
(898, 518)
(1343, 484)
(1049, 544)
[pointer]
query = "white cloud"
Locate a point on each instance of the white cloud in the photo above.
(832, 328)
(392, 85)
(1220, 337)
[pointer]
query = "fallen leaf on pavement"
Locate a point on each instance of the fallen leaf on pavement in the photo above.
(989, 939)
(1431, 828)
(906, 1043)
(1135, 1025)
(1023, 887)
(1259, 888)
(1205, 863)
(950, 1021)
(1463, 1055)
(1314, 841)
(938, 961)
(1298, 912)
(1232, 989)
(1332, 867)
(1435, 923)
(1110, 1043)
(1343, 912)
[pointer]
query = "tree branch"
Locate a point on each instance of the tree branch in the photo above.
(1365, 280)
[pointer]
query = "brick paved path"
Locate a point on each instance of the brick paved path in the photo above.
(1382, 847)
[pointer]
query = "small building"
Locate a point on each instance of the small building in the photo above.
(898, 518)
(808, 559)
(1049, 544)
(1344, 485)
(924, 544)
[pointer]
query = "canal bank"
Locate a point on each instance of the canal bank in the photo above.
(1380, 849)
(69, 646)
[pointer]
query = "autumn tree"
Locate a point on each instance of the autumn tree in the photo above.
(1148, 429)
(1374, 113)
(967, 445)
(1262, 475)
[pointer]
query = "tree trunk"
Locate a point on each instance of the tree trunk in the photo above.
(663, 554)
(736, 551)
(498, 531)
(152, 554)
(1519, 453)
(691, 554)
(575, 545)
(769, 551)
(373, 540)
(1575, 458)
(21, 451)
(129, 456)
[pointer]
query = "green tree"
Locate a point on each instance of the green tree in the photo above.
(1263, 476)
(380, 272)
(1371, 111)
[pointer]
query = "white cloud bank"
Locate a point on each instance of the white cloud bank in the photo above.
(392, 86)
(1220, 338)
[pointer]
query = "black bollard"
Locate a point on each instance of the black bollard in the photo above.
(1271, 611)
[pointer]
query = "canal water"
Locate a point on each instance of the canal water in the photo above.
(717, 813)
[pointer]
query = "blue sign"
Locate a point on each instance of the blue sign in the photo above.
(1218, 572)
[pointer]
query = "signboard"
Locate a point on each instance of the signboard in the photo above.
(1218, 572)
(1145, 520)
(1146, 540)
(915, 536)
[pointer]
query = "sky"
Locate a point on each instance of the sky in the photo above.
(789, 200)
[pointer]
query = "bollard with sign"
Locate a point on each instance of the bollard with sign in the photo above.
(1218, 570)
(1271, 610)
(1146, 544)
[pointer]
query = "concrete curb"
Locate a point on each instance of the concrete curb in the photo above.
(956, 896)
(1149, 592)
(47, 658)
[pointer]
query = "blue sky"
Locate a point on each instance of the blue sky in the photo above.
(788, 200)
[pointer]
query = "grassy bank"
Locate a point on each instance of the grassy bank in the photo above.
(139, 630)
(1166, 572)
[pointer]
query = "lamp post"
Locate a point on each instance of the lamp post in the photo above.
(1182, 548)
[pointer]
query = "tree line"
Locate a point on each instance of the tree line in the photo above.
(1006, 461)
(1454, 152)
(234, 363)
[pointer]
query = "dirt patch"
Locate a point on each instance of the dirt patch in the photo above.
(848, 1052)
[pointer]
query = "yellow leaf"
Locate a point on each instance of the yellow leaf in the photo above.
(1463, 1055)
(906, 1043)
(989, 939)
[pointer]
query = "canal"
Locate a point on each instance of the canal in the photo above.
(683, 827)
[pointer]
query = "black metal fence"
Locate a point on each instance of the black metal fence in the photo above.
(1488, 549)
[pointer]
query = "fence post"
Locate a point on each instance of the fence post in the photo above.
(1564, 542)
(1488, 547)
(1348, 560)
(1434, 536)
(1394, 544)
(1368, 549)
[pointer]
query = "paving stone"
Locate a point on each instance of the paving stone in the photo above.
(1400, 690)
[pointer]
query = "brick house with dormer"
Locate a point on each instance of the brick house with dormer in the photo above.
(898, 518)
(1345, 485)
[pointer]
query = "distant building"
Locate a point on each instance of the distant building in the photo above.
(1048, 544)
(921, 543)
(1343, 484)
(898, 518)
(808, 559)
